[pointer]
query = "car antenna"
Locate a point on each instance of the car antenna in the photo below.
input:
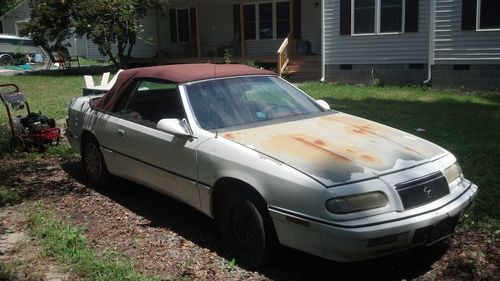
(216, 115)
(216, 124)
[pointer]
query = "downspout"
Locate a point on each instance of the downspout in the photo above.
(323, 67)
(432, 35)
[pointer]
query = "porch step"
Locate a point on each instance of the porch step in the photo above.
(304, 68)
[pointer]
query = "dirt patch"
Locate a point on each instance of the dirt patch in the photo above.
(21, 252)
(168, 239)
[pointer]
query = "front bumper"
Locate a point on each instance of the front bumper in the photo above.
(353, 243)
(74, 140)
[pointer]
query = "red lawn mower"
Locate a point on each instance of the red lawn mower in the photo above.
(32, 130)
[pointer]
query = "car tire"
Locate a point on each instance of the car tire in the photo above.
(246, 229)
(93, 163)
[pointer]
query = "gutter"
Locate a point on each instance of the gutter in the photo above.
(323, 66)
(432, 36)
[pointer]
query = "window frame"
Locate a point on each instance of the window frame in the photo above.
(132, 89)
(377, 18)
(478, 19)
(274, 19)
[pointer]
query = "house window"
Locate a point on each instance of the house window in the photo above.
(182, 24)
(266, 20)
(282, 19)
(391, 15)
(20, 25)
(377, 16)
(249, 17)
(364, 16)
(488, 14)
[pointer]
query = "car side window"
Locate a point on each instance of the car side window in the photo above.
(150, 101)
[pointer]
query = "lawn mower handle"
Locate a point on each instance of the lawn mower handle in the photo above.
(7, 85)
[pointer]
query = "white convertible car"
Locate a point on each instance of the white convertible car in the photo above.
(268, 163)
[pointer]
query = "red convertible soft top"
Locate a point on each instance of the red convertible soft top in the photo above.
(180, 73)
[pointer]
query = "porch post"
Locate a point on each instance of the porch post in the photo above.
(291, 45)
(291, 19)
(198, 43)
(242, 30)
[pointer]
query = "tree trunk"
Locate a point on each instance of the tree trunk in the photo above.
(112, 58)
(121, 48)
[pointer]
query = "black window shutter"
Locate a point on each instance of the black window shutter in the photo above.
(192, 15)
(236, 19)
(297, 31)
(345, 17)
(173, 26)
(469, 14)
(411, 16)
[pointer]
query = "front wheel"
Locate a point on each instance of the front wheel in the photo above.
(245, 229)
(94, 165)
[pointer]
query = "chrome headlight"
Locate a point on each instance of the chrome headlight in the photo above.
(356, 203)
(453, 172)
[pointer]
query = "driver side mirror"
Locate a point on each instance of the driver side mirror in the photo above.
(175, 126)
(323, 104)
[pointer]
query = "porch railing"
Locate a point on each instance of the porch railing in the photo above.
(284, 53)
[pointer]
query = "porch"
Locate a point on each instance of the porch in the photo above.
(270, 33)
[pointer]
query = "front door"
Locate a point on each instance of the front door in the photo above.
(152, 157)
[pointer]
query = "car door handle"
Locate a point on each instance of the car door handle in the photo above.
(120, 132)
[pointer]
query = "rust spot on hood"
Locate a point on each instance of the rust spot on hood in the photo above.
(337, 148)
(367, 129)
(319, 142)
(230, 136)
(322, 149)
(368, 158)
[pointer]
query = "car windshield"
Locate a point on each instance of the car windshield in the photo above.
(241, 101)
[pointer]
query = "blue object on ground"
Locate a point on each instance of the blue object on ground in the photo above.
(37, 58)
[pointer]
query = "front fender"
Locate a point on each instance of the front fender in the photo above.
(279, 184)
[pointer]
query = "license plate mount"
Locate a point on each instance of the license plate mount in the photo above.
(435, 233)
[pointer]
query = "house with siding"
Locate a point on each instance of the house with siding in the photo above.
(14, 20)
(442, 42)
(446, 42)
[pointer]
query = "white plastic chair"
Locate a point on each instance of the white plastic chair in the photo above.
(113, 81)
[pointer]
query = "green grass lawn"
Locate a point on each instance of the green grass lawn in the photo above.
(467, 124)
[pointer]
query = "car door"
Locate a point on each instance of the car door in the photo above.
(151, 157)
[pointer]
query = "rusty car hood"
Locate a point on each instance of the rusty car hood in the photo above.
(338, 148)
